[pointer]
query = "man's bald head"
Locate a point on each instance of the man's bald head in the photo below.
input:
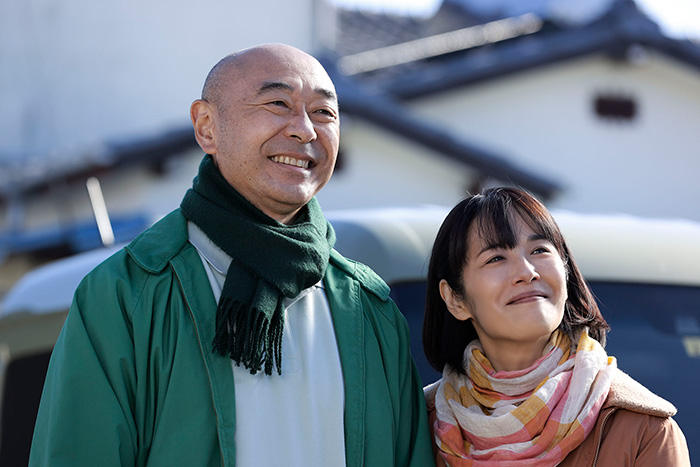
(234, 66)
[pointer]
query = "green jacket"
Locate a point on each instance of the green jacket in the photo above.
(133, 381)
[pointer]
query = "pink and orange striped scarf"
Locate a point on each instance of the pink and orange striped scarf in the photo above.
(532, 417)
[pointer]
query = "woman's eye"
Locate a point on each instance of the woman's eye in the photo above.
(494, 259)
(540, 249)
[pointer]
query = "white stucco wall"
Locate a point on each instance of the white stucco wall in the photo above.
(74, 73)
(381, 169)
(545, 118)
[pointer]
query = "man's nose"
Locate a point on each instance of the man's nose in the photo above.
(301, 128)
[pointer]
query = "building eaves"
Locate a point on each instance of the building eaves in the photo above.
(440, 44)
(499, 60)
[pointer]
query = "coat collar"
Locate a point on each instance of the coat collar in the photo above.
(155, 247)
(364, 275)
(626, 393)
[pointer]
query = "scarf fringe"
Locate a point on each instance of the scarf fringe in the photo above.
(249, 338)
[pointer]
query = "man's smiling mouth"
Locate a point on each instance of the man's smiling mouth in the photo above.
(290, 161)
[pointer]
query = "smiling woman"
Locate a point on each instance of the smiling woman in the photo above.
(514, 296)
(493, 239)
(519, 339)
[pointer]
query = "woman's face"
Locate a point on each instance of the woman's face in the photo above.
(514, 297)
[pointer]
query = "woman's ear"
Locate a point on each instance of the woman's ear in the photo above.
(455, 305)
(203, 116)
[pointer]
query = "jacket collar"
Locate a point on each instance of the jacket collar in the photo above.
(369, 280)
(626, 393)
(155, 247)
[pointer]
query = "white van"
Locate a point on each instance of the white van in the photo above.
(645, 274)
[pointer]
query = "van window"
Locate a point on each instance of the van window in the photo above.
(655, 336)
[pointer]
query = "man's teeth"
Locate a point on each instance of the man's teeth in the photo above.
(291, 161)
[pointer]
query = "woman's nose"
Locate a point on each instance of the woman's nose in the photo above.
(525, 271)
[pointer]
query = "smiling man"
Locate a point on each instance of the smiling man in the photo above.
(231, 333)
(269, 116)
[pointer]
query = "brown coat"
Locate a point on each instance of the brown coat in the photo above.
(634, 428)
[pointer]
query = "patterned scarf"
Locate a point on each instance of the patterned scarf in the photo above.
(271, 261)
(530, 417)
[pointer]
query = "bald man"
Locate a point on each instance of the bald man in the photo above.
(231, 332)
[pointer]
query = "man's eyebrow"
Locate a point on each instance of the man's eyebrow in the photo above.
(326, 93)
(279, 85)
(274, 86)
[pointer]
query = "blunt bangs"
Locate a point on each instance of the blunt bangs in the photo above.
(496, 217)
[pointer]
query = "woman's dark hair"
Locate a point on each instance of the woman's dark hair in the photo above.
(493, 213)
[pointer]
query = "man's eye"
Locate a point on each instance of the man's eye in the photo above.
(279, 103)
(325, 115)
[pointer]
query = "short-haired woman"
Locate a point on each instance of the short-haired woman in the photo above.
(515, 330)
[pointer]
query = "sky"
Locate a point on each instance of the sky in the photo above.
(678, 18)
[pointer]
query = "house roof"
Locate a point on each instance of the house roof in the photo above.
(621, 32)
(17, 182)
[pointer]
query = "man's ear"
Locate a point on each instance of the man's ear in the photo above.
(455, 305)
(203, 115)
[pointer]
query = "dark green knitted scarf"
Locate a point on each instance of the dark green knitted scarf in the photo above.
(271, 261)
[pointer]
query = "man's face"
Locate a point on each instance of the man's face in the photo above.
(277, 130)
